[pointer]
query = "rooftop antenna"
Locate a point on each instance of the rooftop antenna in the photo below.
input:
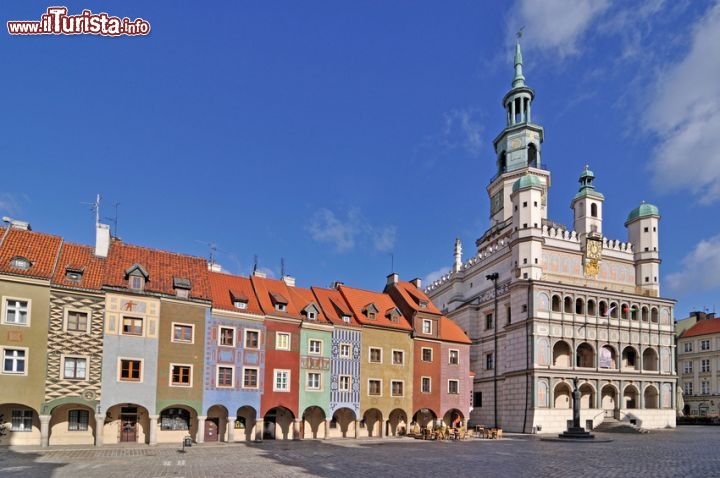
(282, 267)
(213, 250)
(255, 264)
(115, 220)
(95, 207)
(392, 262)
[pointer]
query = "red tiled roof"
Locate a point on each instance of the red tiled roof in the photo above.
(80, 258)
(40, 249)
(303, 298)
(161, 266)
(224, 286)
(334, 306)
(265, 287)
(703, 327)
(413, 296)
(358, 299)
(451, 332)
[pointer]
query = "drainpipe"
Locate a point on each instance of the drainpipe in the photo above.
(494, 277)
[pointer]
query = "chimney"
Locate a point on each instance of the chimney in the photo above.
(337, 284)
(102, 240)
(17, 224)
(214, 267)
(289, 281)
(259, 273)
(392, 278)
(417, 282)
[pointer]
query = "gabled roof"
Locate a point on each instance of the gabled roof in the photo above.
(42, 250)
(358, 299)
(161, 268)
(451, 332)
(703, 327)
(266, 288)
(334, 306)
(304, 298)
(80, 258)
(413, 297)
(224, 288)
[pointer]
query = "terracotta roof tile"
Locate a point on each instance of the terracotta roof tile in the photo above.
(40, 249)
(334, 306)
(305, 297)
(161, 267)
(414, 296)
(451, 332)
(79, 258)
(224, 287)
(703, 327)
(358, 299)
(265, 287)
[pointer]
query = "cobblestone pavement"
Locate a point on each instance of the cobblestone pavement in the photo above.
(687, 451)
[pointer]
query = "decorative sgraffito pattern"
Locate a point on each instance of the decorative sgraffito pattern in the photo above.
(61, 343)
(345, 366)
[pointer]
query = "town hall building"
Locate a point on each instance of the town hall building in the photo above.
(545, 304)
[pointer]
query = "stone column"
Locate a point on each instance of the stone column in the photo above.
(153, 428)
(296, 429)
(327, 428)
(231, 429)
(200, 435)
(357, 428)
(45, 430)
(99, 426)
(259, 425)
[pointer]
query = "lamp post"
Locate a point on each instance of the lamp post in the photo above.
(494, 277)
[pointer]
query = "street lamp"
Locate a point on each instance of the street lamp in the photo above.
(494, 277)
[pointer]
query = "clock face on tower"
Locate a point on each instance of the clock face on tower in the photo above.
(496, 202)
(593, 249)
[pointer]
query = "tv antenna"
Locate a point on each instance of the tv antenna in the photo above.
(95, 208)
(255, 264)
(213, 251)
(115, 220)
(282, 267)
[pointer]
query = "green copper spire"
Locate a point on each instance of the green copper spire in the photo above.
(519, 80)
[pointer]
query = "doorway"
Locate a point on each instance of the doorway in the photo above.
(212, 425)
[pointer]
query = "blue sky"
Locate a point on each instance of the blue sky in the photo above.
(353, 138)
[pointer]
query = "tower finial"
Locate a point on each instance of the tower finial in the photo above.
(519, 80)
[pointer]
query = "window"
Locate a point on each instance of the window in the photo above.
(345, 350)
(375, 355)
(688, 346)
(315, 347)
(282, 341)
(225, 376)
(136, 282)
(21, 420)
(426, 354)
(688, 367)
(130, 370)
(454, 358)
(688, 388)
(20, 263)
(398, 357)
(280, 307)
(78, 420)
(17, 311)
(346, 318)
(250, 378)
(75, 368)
(181, 375)
(174, 419)
(427, 326)
(226, 336)
(76, 321)
(425, 385)
(344, 383)
(704, 387)
(374, 387)
(14, 360)
(488, 321)
(705, 365)
(313, 381)
(252, 339)
(282, 381)
(182, 333)
(489, 361)
(704, 345)
(397, 387)
(239, 304)
(132, 326)
(453, 387)
(477, 399)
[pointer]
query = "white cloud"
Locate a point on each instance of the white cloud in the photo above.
(435, 275)
(9, 204)
(344, 233)
(463, 130)
(685, 115)
(699, 268)
(557, 26)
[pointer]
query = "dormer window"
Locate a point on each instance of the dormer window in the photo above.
(74, 274)
(311, 312)
(393, 315)
(370, 311)
(182, 287)
(423, 304)
(346, 318)
(279, 302)
(238, 299)
(19, 262)
(311, 315)
(136, 277)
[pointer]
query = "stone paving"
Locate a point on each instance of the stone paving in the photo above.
(687, 451)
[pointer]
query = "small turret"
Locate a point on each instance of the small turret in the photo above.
(642, 226)
(587, 207)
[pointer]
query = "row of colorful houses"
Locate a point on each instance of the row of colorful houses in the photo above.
(119, 343)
